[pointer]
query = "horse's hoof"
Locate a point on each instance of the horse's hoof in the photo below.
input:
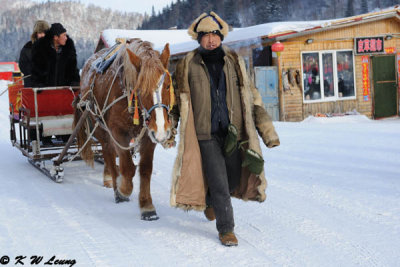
(150, 216)
(108, 184)
(119, 197)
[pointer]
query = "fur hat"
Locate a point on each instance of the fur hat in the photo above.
(40, 26)
(206, 23)
(57, 29)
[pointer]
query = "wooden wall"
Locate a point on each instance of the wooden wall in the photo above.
(293, 108)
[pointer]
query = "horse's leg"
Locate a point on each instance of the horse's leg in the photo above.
(124, 186)
(147, 210)
(110, 172)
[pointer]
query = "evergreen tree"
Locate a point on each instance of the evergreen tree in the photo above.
(230, 11)
(261, 11)
(275, 9)
(350, 8)
(364, 6)
(206, 6)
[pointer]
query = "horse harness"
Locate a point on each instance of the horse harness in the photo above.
(147, 113)
(129, 94)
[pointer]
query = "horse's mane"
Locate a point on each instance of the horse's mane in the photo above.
(151, 68)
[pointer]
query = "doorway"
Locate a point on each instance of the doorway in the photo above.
(267, 84)
(385, 86)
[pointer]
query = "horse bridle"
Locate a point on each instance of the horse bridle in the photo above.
(147, 113)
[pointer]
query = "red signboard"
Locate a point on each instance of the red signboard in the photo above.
(390, 50)
(365, 77)
(369, 45)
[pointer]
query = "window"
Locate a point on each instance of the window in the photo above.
(328, 76)
(345, 74)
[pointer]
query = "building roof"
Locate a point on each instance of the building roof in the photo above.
(180, 42)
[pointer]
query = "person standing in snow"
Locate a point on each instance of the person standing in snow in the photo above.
(54, 59)
(217, 106)
(25, 57)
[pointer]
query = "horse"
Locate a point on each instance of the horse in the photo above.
(139, 76)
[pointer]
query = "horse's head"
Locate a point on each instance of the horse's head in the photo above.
(155, 91)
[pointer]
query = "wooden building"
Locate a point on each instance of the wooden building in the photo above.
(334, 66)
(326, 67)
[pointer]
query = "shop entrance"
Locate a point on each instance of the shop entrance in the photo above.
(267, 84)
(385, 86)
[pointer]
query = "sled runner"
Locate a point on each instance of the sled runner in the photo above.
(41, 126)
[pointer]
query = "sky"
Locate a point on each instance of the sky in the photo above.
(139, 6)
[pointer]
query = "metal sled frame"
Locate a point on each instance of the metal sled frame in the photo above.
(38, 154)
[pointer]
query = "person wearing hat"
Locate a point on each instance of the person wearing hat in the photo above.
(54, 59)
(220, 113)
(25, 57)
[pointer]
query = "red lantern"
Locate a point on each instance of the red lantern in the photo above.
(277, 47)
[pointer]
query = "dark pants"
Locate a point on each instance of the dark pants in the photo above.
(223, 176)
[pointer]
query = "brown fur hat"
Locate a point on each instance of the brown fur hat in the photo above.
(40, 26)
(208, 23)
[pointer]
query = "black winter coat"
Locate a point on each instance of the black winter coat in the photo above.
(52, 69)
(25, 63)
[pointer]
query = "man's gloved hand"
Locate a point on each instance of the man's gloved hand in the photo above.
(169, 143)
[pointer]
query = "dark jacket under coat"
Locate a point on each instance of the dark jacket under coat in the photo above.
(25, 63)
(52, 69)
(219, 110)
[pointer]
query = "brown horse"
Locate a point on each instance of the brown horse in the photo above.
(138, 71)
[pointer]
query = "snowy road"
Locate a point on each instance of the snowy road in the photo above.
(333, 200)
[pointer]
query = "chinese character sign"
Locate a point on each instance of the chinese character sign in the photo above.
(369, 45)
(365, 77)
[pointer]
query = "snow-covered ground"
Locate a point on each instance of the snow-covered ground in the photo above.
(333, 200)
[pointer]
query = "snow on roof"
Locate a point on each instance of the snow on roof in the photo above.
(181, 42)
(254, 33)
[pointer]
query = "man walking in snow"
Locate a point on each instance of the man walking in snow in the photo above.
(54, 59)
(218, 107)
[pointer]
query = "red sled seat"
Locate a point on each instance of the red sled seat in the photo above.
(54, 107)
(56, 102)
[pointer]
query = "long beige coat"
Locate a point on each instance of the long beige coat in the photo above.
(188, 183)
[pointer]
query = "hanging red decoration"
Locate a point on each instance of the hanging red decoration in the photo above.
(277, 47)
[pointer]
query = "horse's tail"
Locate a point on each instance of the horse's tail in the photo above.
(82, 136)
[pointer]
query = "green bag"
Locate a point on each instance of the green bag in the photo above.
(231, 140)
(253, 161)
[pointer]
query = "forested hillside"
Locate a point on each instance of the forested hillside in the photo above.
(83, 24)
(243, 13)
